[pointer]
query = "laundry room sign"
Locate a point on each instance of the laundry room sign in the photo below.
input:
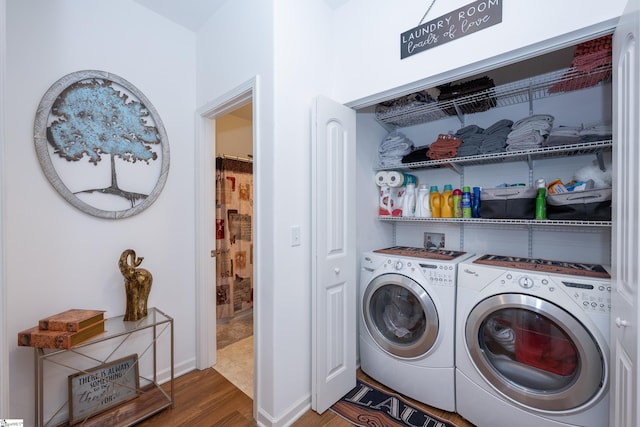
(461, 22)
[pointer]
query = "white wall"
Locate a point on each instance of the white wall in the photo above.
(285, 46)
(233, 47)
(302, 52)
(367, 39)
(56, 256)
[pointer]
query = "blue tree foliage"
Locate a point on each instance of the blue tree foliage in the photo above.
(93, 118)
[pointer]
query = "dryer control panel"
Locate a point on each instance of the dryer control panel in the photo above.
(593, 297)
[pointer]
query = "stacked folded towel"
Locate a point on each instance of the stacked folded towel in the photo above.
(562, 135)
(478, 141)
(471, 137)
(565, 135)
(596, 133)
(496, 135)
(445, 147)
(393, 148)
(530, 132)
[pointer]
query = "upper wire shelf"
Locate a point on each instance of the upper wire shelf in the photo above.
(527, 90)
(510, 156)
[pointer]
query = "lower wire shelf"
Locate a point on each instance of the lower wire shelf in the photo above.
(480, 221)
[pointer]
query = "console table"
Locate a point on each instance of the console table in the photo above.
(151, 396)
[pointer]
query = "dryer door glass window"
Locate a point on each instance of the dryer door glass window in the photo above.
(535, 352)
(400, 316)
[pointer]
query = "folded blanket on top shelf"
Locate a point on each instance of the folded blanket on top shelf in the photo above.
(451, 92)
(414, 100)
(592, 64)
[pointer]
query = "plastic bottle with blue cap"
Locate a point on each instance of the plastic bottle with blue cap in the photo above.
(409, 198)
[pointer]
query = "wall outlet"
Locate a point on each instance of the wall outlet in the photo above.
(434, 240)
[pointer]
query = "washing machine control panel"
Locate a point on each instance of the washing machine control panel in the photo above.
(592, 295)
(437, 273)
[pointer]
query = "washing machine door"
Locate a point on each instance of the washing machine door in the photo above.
(400, 316)
(535, 353)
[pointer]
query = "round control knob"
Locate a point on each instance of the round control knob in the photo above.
(526, 282)
(398, 265)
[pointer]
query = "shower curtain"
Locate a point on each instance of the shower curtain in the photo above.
(234, 237)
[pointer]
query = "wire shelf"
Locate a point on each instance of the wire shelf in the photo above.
(510, 156)
(526, 90)
(482, 221)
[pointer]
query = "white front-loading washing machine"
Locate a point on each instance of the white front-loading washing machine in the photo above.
(407, 321)
(532, 342)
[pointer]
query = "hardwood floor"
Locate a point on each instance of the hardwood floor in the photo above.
(207, 399)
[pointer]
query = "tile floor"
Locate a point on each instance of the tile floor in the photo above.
(235, 351)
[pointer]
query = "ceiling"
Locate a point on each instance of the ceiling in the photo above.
(192, 14)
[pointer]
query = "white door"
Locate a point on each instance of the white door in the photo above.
(626, 228)
(333, 247)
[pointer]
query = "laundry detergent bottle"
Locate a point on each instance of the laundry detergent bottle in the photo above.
(466, 202)
(457, 203)
(435, 201)
(409, 200)
(446, 207)
(422, 202)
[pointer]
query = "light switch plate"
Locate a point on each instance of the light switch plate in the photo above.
(295, 235)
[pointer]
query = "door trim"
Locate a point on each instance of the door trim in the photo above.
(4, 359)
(205, 230)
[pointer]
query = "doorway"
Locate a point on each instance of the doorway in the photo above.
(235, 281)
(207, 117)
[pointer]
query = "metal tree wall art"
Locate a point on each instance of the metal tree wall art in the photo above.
(101, 144)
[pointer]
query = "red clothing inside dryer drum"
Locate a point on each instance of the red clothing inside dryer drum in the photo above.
(542, 345)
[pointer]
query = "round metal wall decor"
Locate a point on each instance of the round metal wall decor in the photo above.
(101, 144)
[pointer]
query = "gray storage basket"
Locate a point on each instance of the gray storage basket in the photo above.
(588, 205)
(508, 202)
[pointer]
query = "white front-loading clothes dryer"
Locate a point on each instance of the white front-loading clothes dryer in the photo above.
(532, 342)
(407, 319)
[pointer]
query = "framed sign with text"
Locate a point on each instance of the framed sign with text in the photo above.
(461, 22)
(98, 389)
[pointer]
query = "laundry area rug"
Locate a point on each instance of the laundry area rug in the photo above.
(368, 406)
